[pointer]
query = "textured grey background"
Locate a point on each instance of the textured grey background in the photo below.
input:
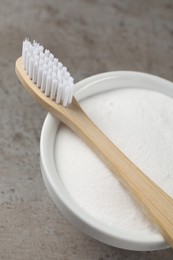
(89, 36)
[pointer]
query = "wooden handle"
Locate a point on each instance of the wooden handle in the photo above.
(156, 203)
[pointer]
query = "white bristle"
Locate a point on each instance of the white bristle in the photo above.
(43, 82)
(39, 76)
(53, 75)
(31, 61)
(40, 48)
(24, 50)
(71, 93)
(35, 72)
(48, 85)
(24, 57)
(41, 55)
(55, 61)
(50, 72)
(51, 56)
(64, 70)
(28, 55)
(54, 87)
(60, 65)
(65, 95)
(71, 80)
(67, 75)
(47, 52)
(41, 63)
(55, 69)
(50, 64)
(47, 72)
(46, 60)
(59, 93)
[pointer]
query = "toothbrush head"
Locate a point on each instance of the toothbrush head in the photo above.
(47, 72)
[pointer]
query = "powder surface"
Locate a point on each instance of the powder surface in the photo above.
(140, 123)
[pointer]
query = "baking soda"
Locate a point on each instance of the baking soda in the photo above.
(140, 123)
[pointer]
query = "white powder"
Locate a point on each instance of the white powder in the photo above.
(140, 123)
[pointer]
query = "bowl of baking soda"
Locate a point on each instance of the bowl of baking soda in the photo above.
(135, 111)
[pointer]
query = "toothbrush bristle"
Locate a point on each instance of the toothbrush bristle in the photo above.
(47, 73)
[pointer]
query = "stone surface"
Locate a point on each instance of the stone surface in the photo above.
(89, 36)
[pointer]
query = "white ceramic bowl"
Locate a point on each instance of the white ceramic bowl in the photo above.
(85, 88)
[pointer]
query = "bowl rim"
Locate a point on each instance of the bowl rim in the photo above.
(59, 194)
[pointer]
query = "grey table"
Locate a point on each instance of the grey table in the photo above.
(89, 36)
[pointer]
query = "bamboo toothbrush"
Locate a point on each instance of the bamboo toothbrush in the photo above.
(51, 84)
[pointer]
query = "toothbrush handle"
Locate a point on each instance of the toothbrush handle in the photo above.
(156, 203)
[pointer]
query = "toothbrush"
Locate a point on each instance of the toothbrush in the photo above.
(51, 84)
